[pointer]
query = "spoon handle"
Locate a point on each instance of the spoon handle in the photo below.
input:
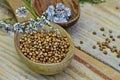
(14, 4)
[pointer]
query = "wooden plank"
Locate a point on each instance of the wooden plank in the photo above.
(83, 67)
(99, 66)
(93, 17)
(11, 66)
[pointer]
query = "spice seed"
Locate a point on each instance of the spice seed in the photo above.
(94, 33)
(118, 56)
(105, 52)
(116, 7)
(113, 39)
(112, 49)
(102, 28)
(98, 43)
(81, 42)
(78, 47)
(118, 36)
(104, 35)
(110, 31)
(94, 47)
(100, 49)
(111, 36)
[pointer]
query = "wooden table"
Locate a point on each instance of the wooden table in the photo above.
(91, 64)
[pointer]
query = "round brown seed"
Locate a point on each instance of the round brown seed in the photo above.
(102, 28)
(81, 42)
(118, 36)
(94, 47)
(105, 52)
(118, 56)
(110, 31)
(113, 39)
(94, 33)
(37, 49)
(104, 35)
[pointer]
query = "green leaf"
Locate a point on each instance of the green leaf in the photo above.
(30, 8)
(92, 1)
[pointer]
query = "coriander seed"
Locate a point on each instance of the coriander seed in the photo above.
(110, 31)
(94, 33)
(118, 36)
(42, 47)
(78, 47)
(113, 39)
(105, 52)
(81, 42)
(94, 47)
(116, 7)
(111, 36)
(118, 56)
(102, 28)
(104, 35)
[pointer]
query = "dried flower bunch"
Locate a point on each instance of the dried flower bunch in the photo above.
(32, 24)
(58, 14)
(42, 47)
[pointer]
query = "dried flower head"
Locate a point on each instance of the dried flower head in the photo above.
(21, 12)
(18, 27)
(32, 24)
(31, 21)
(59, 14)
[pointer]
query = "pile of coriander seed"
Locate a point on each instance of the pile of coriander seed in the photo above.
(106, 43)
(42, 47)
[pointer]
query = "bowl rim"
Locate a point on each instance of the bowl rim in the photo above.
(50, 64)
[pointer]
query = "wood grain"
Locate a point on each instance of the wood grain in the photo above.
(11, 66)
(93, 17)
(83, 67)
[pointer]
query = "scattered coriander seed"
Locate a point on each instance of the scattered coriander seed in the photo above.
(110, 31)
(116, 7)
(81, 42)
(112, 49)
(94, 47)
(103, 47)
(107, 39)
(102, 28)
(104, 35)
(105, 52)
(113, 39)
(111, 36)
(78, 47)
(116, 50)
(100, 49)
(98, 43)
(118, 36)
(94, 33)
(118, 56)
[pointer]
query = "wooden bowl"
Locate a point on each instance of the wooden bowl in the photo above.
(40, 6)
(46, 69)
